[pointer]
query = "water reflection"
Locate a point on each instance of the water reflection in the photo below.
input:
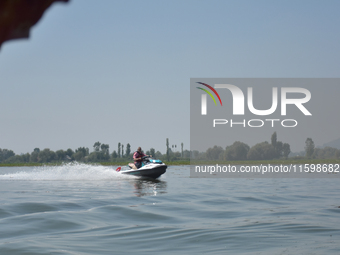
(144, 187)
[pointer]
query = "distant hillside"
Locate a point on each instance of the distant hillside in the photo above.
(333, 144)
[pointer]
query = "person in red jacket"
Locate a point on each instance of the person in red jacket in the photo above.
(137, 157)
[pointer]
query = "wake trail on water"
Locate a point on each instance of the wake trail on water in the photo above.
(67, 171)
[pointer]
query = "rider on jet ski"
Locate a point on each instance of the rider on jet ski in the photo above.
(137, 156)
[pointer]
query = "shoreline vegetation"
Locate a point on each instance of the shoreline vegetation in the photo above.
(187, 162)
(239, 153)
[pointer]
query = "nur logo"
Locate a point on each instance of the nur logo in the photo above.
(239, 99)
(204, 97)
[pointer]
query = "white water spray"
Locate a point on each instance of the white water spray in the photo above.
(69, 171)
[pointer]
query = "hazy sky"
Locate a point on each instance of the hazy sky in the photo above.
(119, 71)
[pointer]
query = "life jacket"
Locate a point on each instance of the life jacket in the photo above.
(138, 155)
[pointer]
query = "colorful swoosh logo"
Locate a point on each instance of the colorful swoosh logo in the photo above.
(208, 92)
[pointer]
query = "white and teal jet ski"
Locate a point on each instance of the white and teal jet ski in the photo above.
(151, 168)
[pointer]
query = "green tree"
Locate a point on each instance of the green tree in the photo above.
(152, 152)
(26, 157)
(167, 149)
(309, 148)
(93, 157)
(105, 153)
(158, 155)
(114, 155)
(274, 139)
(237, 151)
(34, 156)
(286, 150)
(6, 154)
(277, 145)
(186, 154)
(128, 150)
(81, 153)
(83, 150)
(19, 158)
(279, 149)
(119, 150)
(69, 152)
(15, 159)
(60, 154)
(46, 155)
(96, 146)
(326, 153)
(194, 154)
(122, 150)
(78, 155)
(214, 153)
(175, 155)
(182, 150)
(261, 151)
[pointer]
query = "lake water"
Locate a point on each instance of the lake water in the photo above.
(83, 209)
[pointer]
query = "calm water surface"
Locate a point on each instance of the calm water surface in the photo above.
(82, 209)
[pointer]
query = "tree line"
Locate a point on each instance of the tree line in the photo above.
(100, 153)
(320, 153)
(240, 151)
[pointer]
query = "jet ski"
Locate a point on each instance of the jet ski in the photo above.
(151, 168)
